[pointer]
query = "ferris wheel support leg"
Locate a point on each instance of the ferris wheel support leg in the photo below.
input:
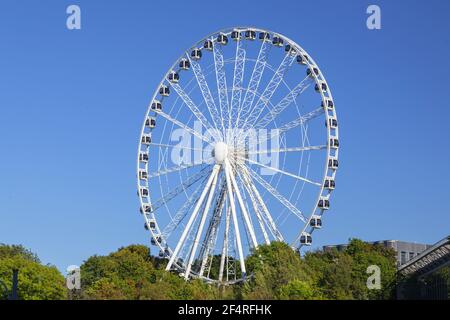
(225, 244)
(234, 216)
(202, 224)
(244, 211)
(192, 218)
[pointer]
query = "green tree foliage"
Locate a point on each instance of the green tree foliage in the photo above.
(132, 273)
(274, 271)
(277, 272)
(343, 274)
(36, 281)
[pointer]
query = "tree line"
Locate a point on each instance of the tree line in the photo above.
(277, 272)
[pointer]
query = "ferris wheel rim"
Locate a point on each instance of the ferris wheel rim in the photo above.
(318, 78)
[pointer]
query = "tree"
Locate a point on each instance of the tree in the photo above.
(343, 274)
(277, 273)
(36, 281)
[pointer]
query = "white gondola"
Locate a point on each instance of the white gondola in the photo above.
(321, 86)
(150, 122)
(334, 143)
(144, 192)
(143, 174)
(305, 239)
(311, 71)
(289, 49)
(324, 203)
(208, 45)
(222, 39)
(277, 41)
(329, 184)
(146, 139)
(145, 208)
(156, 105)
(265, 36)
(235, 35)
(173, 77)
(196, 54)
(152, 224)
(250, 34)
(302, 58)
(332, 122)
(333, 163)
(143, 157)
(316, 222)
(328, 104)
(164, 91)
(184, 64)
(156, 239)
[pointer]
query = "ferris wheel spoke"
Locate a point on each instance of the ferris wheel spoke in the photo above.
(224, 253)
(190, 181)
(175, 146)
(300, 121)
(256, 207)
(238, 77)
(284, 103)
(177, 168)
(212, 231)
(280, 171)
(260, 203)
(235, 220)
(278, 196)
(201, 225)
(242, 206)
(255, 79)
(183, 126)
(221, 83)
(206, 93)
(193, 108)
(182, 212)
(268, 92)
(192, 218)
(293, 149)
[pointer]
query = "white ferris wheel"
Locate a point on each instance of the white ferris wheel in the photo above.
(239, 147)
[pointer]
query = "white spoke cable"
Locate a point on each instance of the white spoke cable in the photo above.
(178, 168)
(284, 103)
(191, 180)
(268, 92)
(183, 126)
(293, 149)
(193, 107)
(280, 171)
(278, 196)
(221, 83)
(206, 93)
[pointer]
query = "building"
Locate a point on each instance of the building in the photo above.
(406, 251)
(427, 276)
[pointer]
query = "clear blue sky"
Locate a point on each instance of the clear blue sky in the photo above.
(72, 102)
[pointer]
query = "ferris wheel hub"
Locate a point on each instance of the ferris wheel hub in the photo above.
(220, 152)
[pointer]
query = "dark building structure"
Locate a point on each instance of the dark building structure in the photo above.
(423, 270)
(427, 276)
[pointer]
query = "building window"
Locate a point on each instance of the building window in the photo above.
(403, 257)
(411, 255)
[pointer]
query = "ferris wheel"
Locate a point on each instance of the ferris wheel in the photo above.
(239, 148)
